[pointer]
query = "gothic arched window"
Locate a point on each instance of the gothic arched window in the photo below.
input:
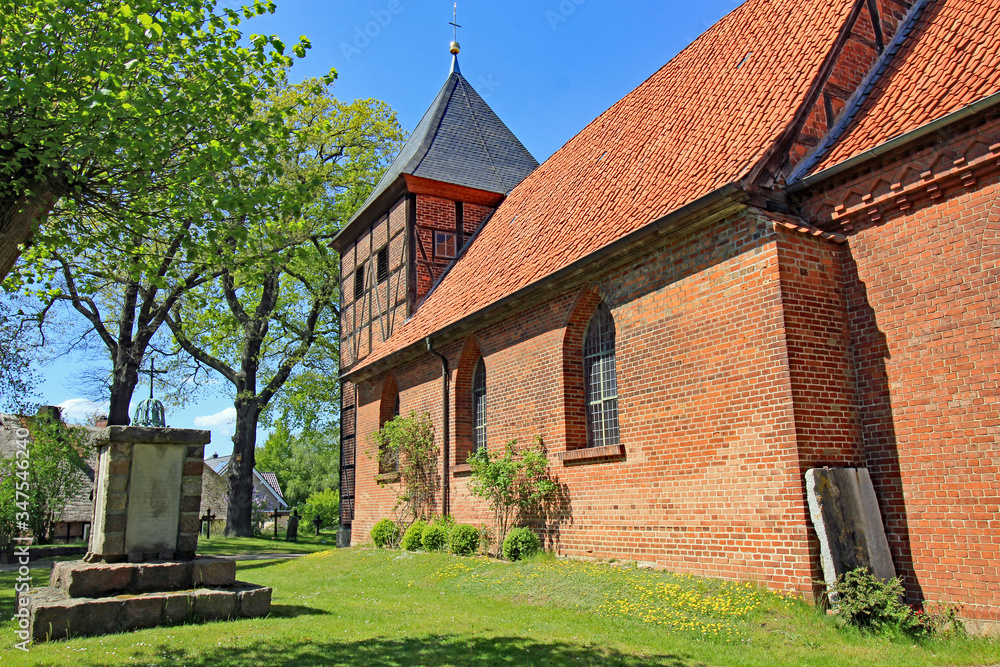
(479, 406)
(600, 380)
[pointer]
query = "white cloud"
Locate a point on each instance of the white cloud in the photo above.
(81, 409)
(220, 419)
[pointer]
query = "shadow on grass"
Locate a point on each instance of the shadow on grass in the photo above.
(456, 650)
(243, 565)
(292, 610)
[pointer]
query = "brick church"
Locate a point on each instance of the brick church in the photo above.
(780, 252)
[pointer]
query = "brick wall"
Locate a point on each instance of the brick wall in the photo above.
(920, 268)
(710, 480)
(923, 302)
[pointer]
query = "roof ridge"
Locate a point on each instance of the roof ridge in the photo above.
(435, 121)
(479, 133)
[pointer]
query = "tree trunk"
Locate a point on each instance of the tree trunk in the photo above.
(238, 518)
(125, 377)
(17, 220)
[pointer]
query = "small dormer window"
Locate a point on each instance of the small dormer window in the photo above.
(444, 245)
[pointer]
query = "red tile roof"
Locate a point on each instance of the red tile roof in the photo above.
(704, 120)
(950, 60)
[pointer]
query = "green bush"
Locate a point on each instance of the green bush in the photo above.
(520, 543)
(414, 535)
(435, 537)
(385, 534)
(464, 539)
(325, 505)
(869, 603)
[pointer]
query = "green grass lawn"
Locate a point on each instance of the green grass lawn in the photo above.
(219, 545)
(371, 607)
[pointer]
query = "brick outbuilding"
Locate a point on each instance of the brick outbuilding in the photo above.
(779, 252)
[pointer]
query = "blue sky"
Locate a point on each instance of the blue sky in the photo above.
(547, 68)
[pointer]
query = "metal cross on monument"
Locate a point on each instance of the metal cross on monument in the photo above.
(150, 412)
(151, 372)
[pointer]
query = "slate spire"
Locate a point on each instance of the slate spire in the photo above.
(459, 141)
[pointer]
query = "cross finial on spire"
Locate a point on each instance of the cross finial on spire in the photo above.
(454, 48)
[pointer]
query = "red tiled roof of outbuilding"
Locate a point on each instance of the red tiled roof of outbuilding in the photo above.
(704, 120)
(951, 59)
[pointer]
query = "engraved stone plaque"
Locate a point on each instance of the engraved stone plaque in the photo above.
(154, 499)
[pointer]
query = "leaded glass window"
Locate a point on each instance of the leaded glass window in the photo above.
(600, 380)
(479, 405)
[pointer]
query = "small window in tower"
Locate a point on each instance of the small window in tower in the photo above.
(359, 282)
(382, 264)
(444, 245)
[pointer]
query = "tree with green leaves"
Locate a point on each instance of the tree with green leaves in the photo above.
(48, 475)
(119, 118)
(274, 309)
(19, 351)
(123, 109)
(305, 462)
(513, 485)
(405, 446)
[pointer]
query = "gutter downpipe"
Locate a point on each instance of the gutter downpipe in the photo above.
(446, 412)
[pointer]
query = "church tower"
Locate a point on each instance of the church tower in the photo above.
(458, 165)
(452, 173)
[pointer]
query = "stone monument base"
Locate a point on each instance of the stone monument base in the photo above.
(94, 599)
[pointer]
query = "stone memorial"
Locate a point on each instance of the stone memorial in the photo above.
(292, 530)
(141, 570)
(845, 513)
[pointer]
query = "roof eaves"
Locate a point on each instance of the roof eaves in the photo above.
(702, 211)
(277, 496)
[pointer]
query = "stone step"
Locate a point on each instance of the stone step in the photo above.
(52, 614)
(96, 580)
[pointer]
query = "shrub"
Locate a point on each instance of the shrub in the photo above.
(869, 603)
(520, 543)
(385, 534)
(322, 504)
(435, 537)
(414, 535)
(464, 539)
(513, 485)
(406, 445)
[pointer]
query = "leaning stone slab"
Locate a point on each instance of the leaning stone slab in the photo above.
(94, 580)
(846, 516)
(54, 615)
